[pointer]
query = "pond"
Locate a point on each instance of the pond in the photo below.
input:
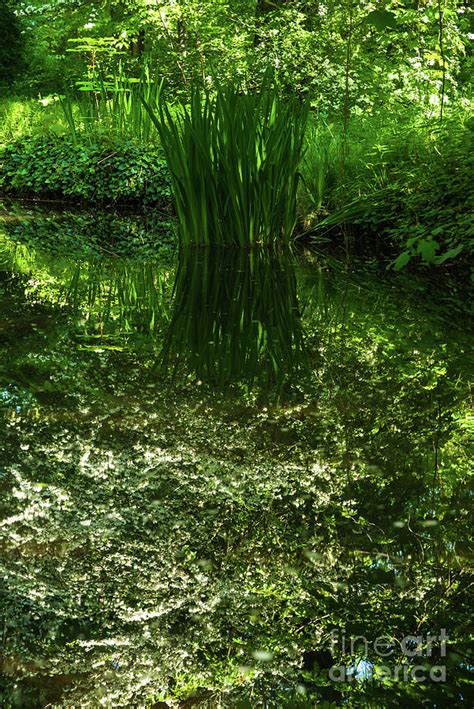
(228, 478)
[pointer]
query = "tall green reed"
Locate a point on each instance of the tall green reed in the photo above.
(234, 161)
(320, 168)
(112, 106)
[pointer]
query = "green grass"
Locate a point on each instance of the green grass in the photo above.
(107, 106)
(111, 106)
(335, 171)
(234, 162)
(402, 187)
(320, 167)
(21, 117)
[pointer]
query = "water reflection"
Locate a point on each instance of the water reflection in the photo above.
(221, 315)
(161, 539)
(111, 297)
(82, 233)
(235, 316)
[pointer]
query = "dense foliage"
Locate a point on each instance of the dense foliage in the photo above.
(235, 405)
(387, 85)
(411, 188)
(97, 172)
(11, 46)
(394, 52)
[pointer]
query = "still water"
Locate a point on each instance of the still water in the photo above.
(228, 478)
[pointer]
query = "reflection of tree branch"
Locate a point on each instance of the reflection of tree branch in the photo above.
(434, 602)
(418, 537)
(436, 438)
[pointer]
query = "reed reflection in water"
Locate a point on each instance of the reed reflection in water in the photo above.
(235, 316)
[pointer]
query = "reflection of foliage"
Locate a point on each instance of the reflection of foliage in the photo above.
(14, 398)
(127, 297)
(235, 316)
(113, 296)
(167, 541)
(89, 233)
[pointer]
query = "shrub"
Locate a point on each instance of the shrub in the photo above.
(100, 172)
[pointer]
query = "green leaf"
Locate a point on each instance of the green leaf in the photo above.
(381, 19)
(401, 260)
(427, 249)
(451, 253)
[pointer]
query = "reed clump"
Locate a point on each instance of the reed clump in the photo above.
(234, 160)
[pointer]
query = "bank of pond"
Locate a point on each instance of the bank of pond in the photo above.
(244, 170)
